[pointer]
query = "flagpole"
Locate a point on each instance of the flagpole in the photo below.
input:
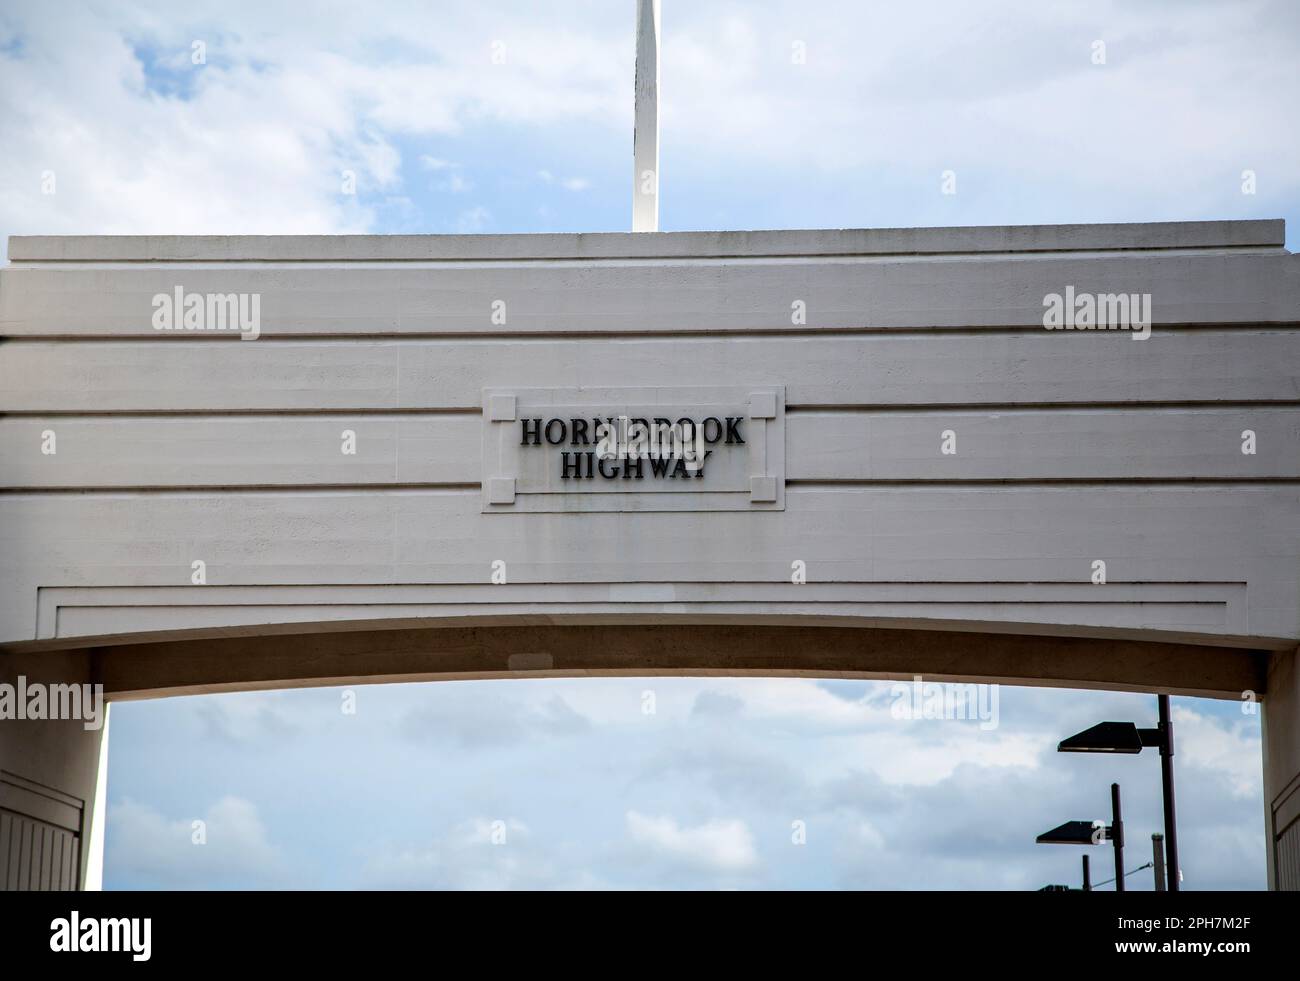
(645, 132)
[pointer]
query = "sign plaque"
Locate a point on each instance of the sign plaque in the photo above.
(634, 449)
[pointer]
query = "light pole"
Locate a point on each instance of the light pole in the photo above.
(1166, 729)
(1117, 829)
(1086, 833)
(1125, 737)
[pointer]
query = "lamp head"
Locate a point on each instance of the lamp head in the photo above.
(1074, 833)
(1105, 737)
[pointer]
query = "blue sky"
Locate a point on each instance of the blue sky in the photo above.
(108, 101)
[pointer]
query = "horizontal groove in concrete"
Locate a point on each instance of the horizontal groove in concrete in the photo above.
(1268, 233)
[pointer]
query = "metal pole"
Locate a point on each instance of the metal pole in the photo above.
(1158, 860)
(1167, 779)
(1117, 836)
(1087, 875)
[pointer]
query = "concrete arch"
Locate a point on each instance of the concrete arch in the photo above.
(912, 476)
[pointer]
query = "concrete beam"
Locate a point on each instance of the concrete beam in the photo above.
(1267, 234)
(241, 664)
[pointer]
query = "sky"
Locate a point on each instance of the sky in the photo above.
(484, 116)
(490, 116)
(665, 783)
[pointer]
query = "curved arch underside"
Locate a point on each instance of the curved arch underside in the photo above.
(576, 649)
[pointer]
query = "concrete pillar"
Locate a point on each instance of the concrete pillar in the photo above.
(1282, 770)
(50, 782)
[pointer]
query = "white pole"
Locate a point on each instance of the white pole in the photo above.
(645, 132)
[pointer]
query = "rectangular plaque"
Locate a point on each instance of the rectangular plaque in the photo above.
(543, 449)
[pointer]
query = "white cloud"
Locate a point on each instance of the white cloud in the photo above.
(870, 837)
(147, 848)
(482, 831)
(264, 719)
(456, 184)
(1193, 93)
(568, 183)
(594, 793)
(720, 845)
(1229, 751)
(480, 719)
(906, 756)
(475, 854)
(260, 137)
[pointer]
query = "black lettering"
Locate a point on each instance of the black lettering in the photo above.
(705, 459)
(579, 432)
(633, 468)
(570, 465)
(601, 464)
(532, 432)
(659, 466)
(564, 430)
(717, 430)
(733, 429)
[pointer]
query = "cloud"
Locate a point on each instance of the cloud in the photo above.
(712, 704)
(482, 718)
(1229, 751)
(717, 846)
(1013, 90)
(568, 183)
(596, 793)
(261, 719)
(149, 850)
(258, 139)
(478, 854)
(456, 184)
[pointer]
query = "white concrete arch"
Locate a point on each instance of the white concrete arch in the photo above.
(1046, 455)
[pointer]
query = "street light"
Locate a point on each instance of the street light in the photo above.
(1087, 881)
(1086, 833)
(1125, 737)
